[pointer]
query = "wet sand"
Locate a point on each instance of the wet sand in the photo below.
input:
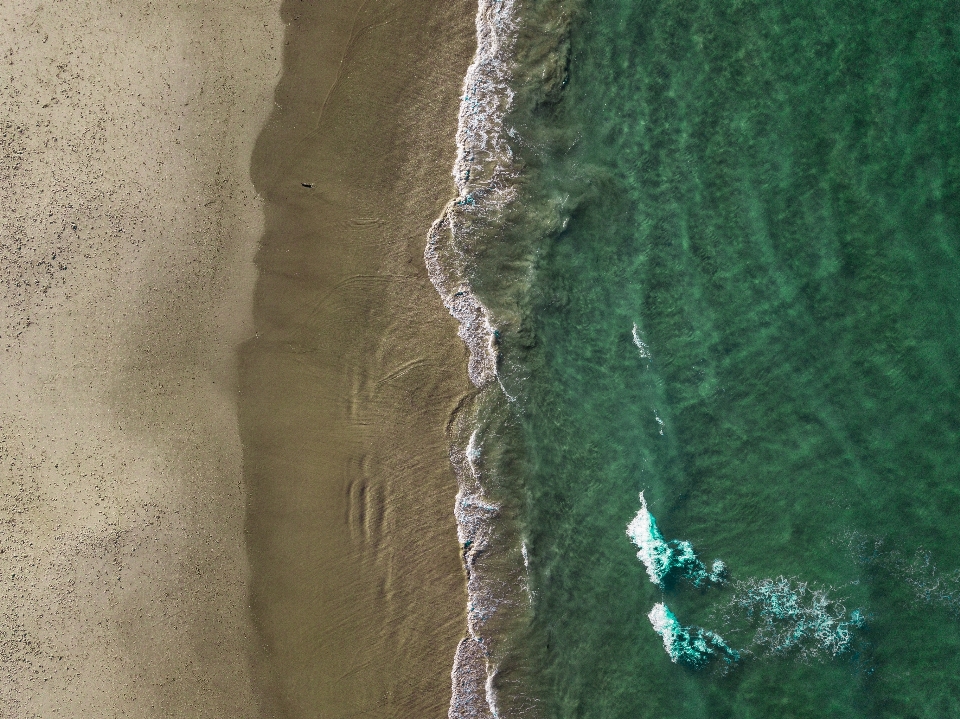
(138, 492)
(356, 368)
(129, 227)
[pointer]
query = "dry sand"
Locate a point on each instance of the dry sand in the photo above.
(356, 369)
(127, 274)
(129, 226)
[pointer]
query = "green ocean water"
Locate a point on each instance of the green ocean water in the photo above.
(770, 193)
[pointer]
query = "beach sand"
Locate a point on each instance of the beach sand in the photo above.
(130, 227)
(356, 369)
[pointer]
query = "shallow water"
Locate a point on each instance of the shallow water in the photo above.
(744, 301)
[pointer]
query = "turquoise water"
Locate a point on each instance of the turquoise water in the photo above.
(749, 310)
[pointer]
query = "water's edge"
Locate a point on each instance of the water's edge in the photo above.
(483, 175)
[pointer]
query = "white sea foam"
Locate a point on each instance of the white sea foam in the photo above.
(787, 616)
(791, 617)
(469, 677)
(930, 584)
(510, 397)
(641, 345)
(482, 175)
(473, 453)
(653, 549)
(692, 646)
(475, 516)
(490, 693)
(663, 559)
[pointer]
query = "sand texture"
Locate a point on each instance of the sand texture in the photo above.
(350, 384)
(129, 226)
(151, 493)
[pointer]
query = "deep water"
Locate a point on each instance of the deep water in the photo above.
(751, 314)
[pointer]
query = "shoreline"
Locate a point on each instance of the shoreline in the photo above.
(356, 369)
(482, 267)
(482, 175)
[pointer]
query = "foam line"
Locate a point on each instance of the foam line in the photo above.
(482, 175)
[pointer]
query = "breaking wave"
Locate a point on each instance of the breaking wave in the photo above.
(786, 616)
(666, 561)
(692, 646)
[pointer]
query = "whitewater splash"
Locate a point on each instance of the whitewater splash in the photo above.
(665, 560)
(482, 172)
(692, 646)
(641, 345)
(791, 617)
(787, 616)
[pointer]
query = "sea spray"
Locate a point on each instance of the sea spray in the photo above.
(692, 646)
(642, 346)
(788, 616)
(669, 560)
